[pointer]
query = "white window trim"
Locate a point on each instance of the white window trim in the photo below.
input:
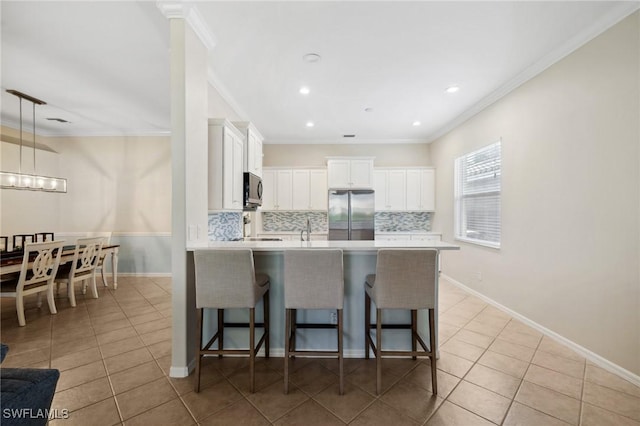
(457, 212)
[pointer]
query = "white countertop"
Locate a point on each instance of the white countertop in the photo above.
(347, 246)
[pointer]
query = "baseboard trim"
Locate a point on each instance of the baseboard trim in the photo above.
(181, 372)
(589, 355)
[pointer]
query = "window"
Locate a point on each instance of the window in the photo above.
(477, 196)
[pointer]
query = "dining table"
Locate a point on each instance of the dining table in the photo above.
(11, 262)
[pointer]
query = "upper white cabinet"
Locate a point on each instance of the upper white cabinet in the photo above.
(310, 189)
(277, 189)
(421, 189)
(390, 189)
(226, 159)
(252, 147)
(350, 172)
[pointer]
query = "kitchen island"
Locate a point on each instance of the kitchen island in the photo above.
(359, 261)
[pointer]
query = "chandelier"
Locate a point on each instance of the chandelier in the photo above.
(32, 182)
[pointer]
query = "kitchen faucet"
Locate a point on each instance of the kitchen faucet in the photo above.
(308, 231)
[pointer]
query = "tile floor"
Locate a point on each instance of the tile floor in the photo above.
(114, 356)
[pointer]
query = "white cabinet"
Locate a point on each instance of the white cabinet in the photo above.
(277, 189)
(225, 166)
(421, 189)
(390, 189)
(397, 236)
(252, 147)
(352, 173)
(309, 189)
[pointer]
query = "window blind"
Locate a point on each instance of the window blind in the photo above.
(477, 195)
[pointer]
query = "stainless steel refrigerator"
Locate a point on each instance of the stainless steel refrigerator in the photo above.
(351, 214)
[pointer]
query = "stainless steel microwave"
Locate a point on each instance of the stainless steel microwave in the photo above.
(252, 191)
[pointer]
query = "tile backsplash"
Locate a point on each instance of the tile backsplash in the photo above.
(225, 226)
(403, 221)
(294, 221)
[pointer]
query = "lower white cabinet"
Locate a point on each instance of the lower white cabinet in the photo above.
(393, 236)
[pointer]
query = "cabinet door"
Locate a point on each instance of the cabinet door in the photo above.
(380, 189)
(237, 167)
(396, 190)
(318, 192)
(414, 189)
(227, 170)
(361, 174)
(284, 200)
(300, 191)
(268, 189)
(427, 193)
(254, 153)
(338, 171)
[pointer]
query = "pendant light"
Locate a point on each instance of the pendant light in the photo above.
(32, 182)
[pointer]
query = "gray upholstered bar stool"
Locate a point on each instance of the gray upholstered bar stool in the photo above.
(226, 279)
(404, 279)
(313, 279)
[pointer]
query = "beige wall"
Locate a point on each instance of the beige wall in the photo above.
(400, 155)
(120, 184)
(571, 197)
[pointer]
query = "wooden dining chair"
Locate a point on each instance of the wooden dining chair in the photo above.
(19, 240)
(42, 237)
(82, 268)
(39, 267)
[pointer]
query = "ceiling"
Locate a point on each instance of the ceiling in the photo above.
(104, 66)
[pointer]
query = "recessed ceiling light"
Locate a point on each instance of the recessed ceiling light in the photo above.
(416, 123)
(311, 57)
(452, 89)
(304, 90)
(310, 124)
(368, 110)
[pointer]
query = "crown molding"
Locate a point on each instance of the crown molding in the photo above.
(91, 133)
(605, 22)
(190, 13)
(344, 141)
(217, 84)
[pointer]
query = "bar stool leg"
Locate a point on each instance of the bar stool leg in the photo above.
(432, 348)
(367, 324)
(340, 350)
(252, 348)
(220, 331)
(294, 316)
(287, 341)
(414, 332)
(378, 351)
(267, 334)
(198, 350)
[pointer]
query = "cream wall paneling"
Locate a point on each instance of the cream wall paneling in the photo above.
(390, 189)
(421, 189)
(226, 155)
(309, 189)
(350, 172)
(252, 147)
(277, 189)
